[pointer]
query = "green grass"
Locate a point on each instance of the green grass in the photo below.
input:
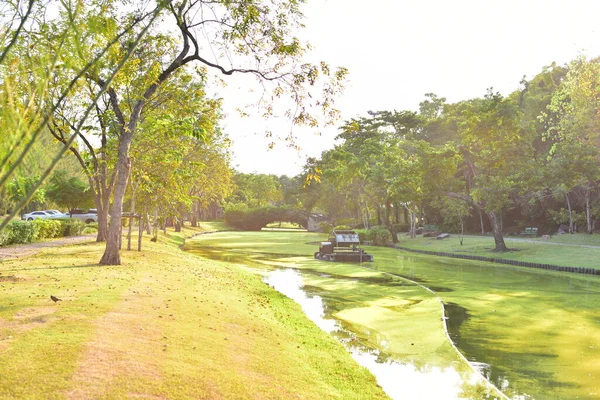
(164, 324)
(533, 250)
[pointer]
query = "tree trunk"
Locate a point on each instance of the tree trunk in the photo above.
(111, 253)
(481, 222)
(102, 219)
(388, 223)
(194, 219)
(132, 211)
(588, 211)
(411, 217)
(155, 236)
(571, 227)
(497, 229)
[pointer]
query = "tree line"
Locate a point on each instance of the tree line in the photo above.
(494, 163)
(121, 87)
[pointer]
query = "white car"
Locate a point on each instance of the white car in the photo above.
(55, 214)
(36, 215)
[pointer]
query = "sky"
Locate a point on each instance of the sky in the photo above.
(398, 50)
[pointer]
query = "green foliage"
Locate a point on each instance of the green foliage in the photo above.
(364, 235)
(342, 227)
(257, 190)
(69, 191)
(19, 188)
(326, 227)
(18, 232)
(380, 235)
(401, 227)
(256, 218)
(72, 226)
(47, 228)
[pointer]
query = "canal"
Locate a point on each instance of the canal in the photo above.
(533, 334)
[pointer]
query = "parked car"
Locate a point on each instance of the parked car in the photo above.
(55, 214)
(87, 216)
(36, 215)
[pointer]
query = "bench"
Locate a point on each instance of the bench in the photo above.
(529, 232)
(430, 228)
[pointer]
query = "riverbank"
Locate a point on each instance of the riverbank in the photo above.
(564, 250)
(164, 324)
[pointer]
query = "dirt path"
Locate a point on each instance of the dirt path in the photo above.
(24, 250)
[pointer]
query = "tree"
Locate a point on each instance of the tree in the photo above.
(43, 74)
(575, 131)
(258, 36)
(257, 190)
(68, 191)
(497, 157)
(18, 192)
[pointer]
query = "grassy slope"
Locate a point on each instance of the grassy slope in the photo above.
(530, 251)
(165, 324)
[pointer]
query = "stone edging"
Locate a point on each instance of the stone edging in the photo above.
(561, 268)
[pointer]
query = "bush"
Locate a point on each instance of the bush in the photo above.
(401, 227)
(326, 227)
(18, 232)
(4, 235)
(257, 218)
(380, 235)
(47, 228)
(341, 228)
(90, 229)
(72, 226)
(364, 235)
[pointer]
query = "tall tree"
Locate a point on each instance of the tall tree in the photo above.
(576, 129)
(497, 158)
(254, 38)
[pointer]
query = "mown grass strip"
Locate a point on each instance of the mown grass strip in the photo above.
(534, 252)
(164, 324)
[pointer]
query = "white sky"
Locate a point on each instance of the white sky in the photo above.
(397, 51)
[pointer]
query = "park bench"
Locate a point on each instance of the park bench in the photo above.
(430, 228)
(529, 232)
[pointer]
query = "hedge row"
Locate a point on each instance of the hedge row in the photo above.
(18, 232)
(255, 219)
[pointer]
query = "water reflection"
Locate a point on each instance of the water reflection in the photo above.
(398, 380)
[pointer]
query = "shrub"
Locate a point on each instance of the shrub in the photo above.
(326, 227)
(401, 227)
(5, 235)
(18, 232)
(255, 219)
(341, 228)
(90, 229)
(364, 235)
(380, 235)
(72, 226)
(47, 228)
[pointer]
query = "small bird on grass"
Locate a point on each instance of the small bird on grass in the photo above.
(55, 299)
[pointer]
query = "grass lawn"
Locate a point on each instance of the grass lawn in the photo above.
(165, 324)
(554, 251)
